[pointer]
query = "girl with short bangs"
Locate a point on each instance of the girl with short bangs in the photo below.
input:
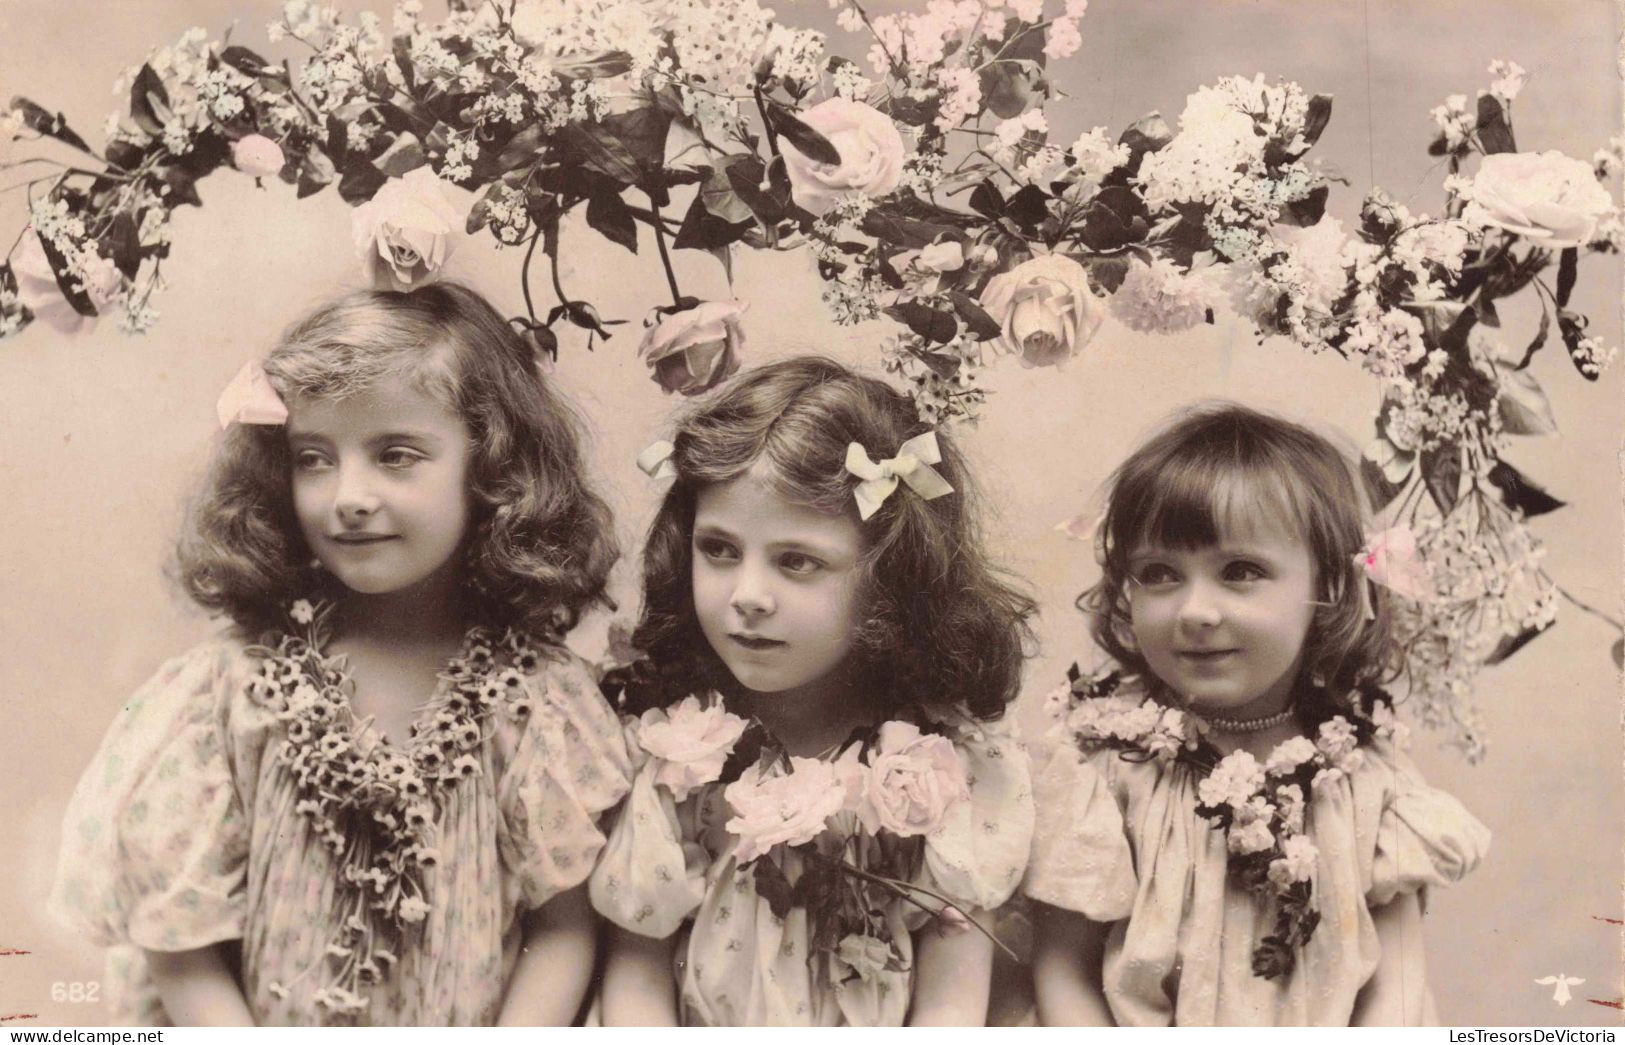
(374, 798)
(1227, 830)
(818, 606)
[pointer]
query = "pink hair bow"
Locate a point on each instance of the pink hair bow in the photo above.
(1390, 559)
(250, 400)
(912, 465)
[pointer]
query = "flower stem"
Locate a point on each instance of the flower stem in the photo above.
(902, 889)
(665, 258)
(524, 273)
(1589, 609)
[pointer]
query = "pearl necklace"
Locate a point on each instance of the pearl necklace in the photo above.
(1247, 725)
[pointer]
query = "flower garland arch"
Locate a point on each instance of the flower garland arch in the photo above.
(923, 180)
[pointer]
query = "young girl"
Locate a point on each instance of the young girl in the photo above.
(374, 799)
(815, 571)
(1228, 834)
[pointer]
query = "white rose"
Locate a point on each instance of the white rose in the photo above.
(693, 350)
(1551, 198)
(1046, 307)
(406, 232)
(692, 742)
(871, 153)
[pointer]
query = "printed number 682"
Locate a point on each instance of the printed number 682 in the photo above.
(75, 992)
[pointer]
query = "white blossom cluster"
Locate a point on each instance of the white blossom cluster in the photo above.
(938, 399)
(1161, 299)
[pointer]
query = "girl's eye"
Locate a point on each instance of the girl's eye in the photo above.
(309, 460)
(399, 457)
(1244, 571)
(715, 550)
(1155, 573)
(799, 564)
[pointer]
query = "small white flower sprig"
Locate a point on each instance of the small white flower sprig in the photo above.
(1260, 807)
(898, 780)
(374, 806)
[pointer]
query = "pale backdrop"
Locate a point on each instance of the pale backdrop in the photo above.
(102, 435)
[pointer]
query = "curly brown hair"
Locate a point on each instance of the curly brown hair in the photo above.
(540, 541)
(939, 625)
(1217, 462)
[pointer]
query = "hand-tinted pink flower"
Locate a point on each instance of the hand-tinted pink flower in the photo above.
(693, 350)
(910, 781)
(1390, 558)
(772, 807)
(257, 156)
(871, 152)
(38, 291)
(408, 229)
(691, 742)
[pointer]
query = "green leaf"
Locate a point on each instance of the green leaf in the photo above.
(607, 214)
(1024, 41)
(1519, 493)
(1494, 130)
(36, 118)
(1008, 87)
(1441, 470)
(807, 141)
(981, 325)
(1377, 487)
(598, 67)
(149, 102)
(402, 50)
(1568, 267)
(932, 324)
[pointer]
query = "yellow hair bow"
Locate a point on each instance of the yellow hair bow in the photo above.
(912, 465)
(655, 460)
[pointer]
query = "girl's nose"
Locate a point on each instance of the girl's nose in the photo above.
(355, 500)
(752, 596)
(1200, 608)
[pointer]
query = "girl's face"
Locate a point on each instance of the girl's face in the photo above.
(1224, 626)
(775, 585)
(379, 484)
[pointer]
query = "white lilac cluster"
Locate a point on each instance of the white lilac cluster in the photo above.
(938, 396)
(1160, 299)
(1019, 146)
(1509, 79)
(798, 54)
(1454, 120)
(717, 42)
(1094, 156)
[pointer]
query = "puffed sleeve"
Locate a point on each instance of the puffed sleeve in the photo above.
(977, 855)
(1081, 860)
(1424, 837)
(569, 765)
(650, 877)
(155, 840)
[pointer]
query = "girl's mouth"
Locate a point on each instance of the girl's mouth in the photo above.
(755, 642)
(1206, 656)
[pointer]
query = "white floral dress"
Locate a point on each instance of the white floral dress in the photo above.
(1120, 841)
(669, 864)
(185, 831)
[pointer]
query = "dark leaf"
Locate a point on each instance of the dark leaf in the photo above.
(1524, 408)
(598, 67)
(125, 155)
(1320, 113)
(807, 141)
(703, 230)
(1147, 134)
(1441, 470)
(401, 120)
(543, 341)
(940, 364)
(36, 118)
(608, 215)
(149, 102)
(1115, 218)
(1567, 269)
(987, 201)
(586, 317)
(1519, 493)
(123, 244)
(403, 58)
(522, 149)
(338, 140)
(1494, 131)
(1307, 211)
(1438, 146)
(247, 62)
(480, 213)
(720, 200)
(1107, 273)
(596, 149)
(1513, 643)
(1025, 42)
(404, 154)
(931, 324)
(725, 258)
(361, 181)
(316, 172)
(912, 111)
(1539, 340)
(981, 325)
(181, 185)
(77, 297)
(1573, 325)
(773, 886)
(745, 176)
(907, 232)
(1377, 487)
(1028, 207)
(1008, 87)
(1488, 315)
(642, 133)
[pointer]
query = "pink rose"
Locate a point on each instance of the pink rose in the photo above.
(871, 152)
(1046, 307)
(38, 291)
(691, 742)
(693, 350)
(406, 232)
(910, 781)
(1390, 558)
(1551, 198)
(257, 156)
(772, 807)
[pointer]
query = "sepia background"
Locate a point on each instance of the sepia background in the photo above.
(102, 435)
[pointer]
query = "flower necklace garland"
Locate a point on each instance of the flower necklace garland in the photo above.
(374, 807)
(899, 781)
(1260, 807)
